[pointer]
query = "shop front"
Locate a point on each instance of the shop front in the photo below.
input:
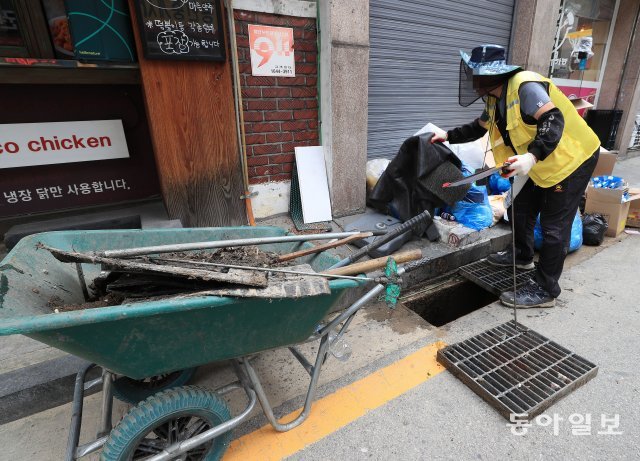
(114, 103)
(580, 48)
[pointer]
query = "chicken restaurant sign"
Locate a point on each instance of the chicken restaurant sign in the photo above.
(31, 144)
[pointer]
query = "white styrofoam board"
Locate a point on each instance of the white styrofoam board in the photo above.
(314, 188)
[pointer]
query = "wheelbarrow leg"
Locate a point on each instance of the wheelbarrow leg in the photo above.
(73, 450)
(76, 413)
(311, 392)
(107, 403)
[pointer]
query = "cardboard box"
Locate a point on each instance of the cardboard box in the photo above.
(580, 104)
(607, 202)
(633, 219)
(606, 162)
(92, 41)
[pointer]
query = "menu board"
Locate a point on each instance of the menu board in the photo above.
(181, 29)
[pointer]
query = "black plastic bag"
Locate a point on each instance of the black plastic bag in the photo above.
(593, 228)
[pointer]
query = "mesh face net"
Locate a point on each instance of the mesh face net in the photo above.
(473, 88)
(467, 94)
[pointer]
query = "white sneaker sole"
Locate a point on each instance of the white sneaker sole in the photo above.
(527, 266)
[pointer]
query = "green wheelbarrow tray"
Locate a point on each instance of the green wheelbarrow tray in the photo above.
(156, 337)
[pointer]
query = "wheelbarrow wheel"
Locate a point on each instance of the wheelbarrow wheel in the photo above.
(135, 390)
(168, 417)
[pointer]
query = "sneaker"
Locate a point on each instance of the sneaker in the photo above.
(529, 295)
(505, 259)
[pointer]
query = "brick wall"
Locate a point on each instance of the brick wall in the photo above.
(280, 113)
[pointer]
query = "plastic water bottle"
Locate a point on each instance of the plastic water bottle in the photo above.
(340, 349)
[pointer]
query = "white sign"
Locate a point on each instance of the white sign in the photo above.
(30, 144)
(271, 51)
(314, 186)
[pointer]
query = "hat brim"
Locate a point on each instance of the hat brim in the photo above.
(488, 69)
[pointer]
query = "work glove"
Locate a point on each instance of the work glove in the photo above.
(438, 138)
(520, 165)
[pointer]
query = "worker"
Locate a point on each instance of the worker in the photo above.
(534, 127)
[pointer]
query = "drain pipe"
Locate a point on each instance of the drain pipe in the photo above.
(237, 101)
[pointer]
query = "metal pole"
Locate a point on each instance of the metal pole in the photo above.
(223, 244)
(76, 413)
(83, 283)
(107, 403)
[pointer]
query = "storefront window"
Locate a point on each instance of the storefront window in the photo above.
(581, 39)
(9, 29)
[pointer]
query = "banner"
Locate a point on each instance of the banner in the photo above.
(31, 144)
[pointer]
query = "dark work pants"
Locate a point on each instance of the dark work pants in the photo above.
(557, 206)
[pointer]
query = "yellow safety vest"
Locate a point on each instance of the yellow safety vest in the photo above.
(577, 144)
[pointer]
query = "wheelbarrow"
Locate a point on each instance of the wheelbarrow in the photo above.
(148, 351)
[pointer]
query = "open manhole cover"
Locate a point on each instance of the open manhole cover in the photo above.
(516, 370)
(492, 278)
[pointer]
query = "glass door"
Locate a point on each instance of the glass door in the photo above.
(581, 45)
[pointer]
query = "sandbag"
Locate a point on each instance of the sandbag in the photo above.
(594, 227)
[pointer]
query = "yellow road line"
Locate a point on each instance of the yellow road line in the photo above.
(340, 408)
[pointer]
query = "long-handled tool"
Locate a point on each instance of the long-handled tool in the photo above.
(373, 264)
(503, 169)
(325, 246)
(401, 229)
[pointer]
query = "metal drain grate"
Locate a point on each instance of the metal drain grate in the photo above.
(516, 370)
(492, 278)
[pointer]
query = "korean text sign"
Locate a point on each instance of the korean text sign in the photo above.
(271, 51)
(31, 144)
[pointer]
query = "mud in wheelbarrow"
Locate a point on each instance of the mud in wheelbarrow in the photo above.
(153, 337)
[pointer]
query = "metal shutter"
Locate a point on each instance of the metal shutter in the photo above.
(414, 63)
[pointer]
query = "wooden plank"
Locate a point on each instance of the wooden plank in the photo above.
(239, 277)
(192, 120)
(280, 286)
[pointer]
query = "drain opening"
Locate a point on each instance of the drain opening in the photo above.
(447, 301)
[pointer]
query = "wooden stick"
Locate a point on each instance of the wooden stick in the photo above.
(325, 246)
(373, 264)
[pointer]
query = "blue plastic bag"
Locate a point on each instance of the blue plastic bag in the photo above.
(472, 214)
(576, 234)
(498, 184)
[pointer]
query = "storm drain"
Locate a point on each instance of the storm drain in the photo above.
(492, 278)
(516, 370)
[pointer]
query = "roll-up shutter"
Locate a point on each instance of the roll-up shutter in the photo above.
(414, 63)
